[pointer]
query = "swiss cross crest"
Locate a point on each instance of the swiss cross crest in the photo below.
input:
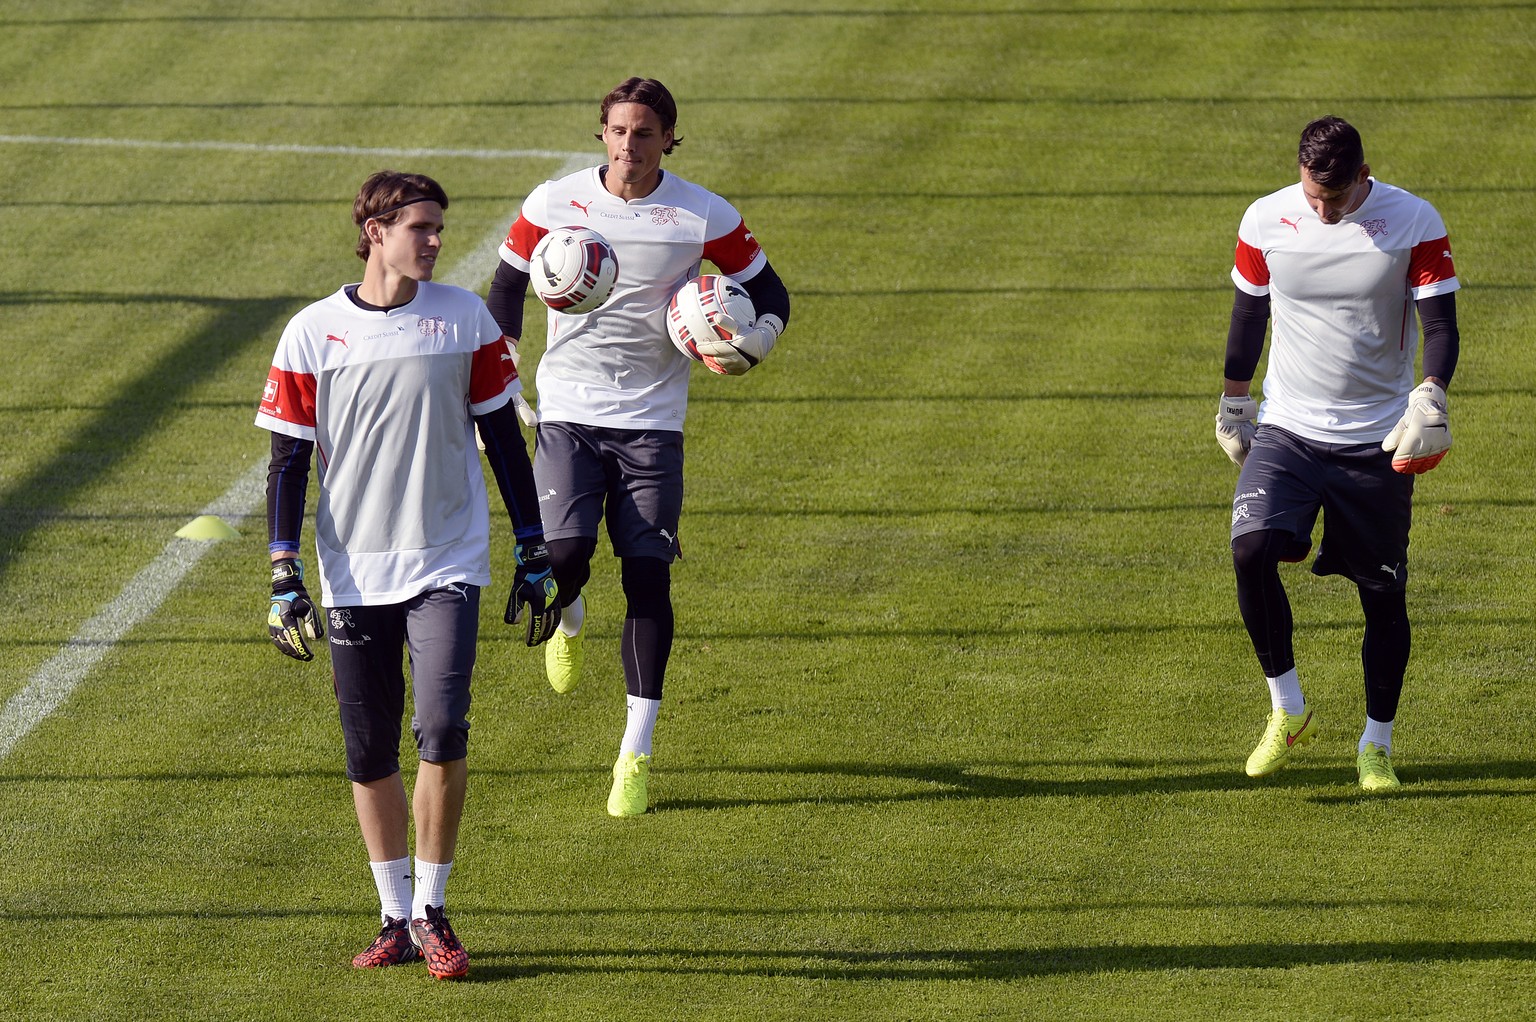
(1373, 227)
(269, 392)
(664, 215)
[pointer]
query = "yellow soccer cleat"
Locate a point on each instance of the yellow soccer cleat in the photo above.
(562, 660)
(1285, 734)
(631, 774)
(1375, 766)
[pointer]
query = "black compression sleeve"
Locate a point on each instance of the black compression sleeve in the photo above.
(768, 293)
(1442, 338)
(1245, 334)
(508, 456)
(505, 300)
(287, 482)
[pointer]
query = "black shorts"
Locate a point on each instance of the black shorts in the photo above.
(439, 627)
(634, 476)
(1367, 506)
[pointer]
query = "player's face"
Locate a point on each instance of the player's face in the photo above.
(635, 140)
(410, 245)
(1331, 204)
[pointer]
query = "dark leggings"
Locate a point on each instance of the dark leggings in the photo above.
(1267, 615)
(648, 621)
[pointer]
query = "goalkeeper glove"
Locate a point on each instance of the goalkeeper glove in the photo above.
(1422, 436)
(744, 349)
(533, 590)
(292, 617)
(1235, 426)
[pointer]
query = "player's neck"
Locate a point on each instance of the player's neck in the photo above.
(629, 191)
(385, 289)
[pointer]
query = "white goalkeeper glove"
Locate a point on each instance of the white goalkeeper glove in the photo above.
(1422, 436)
(1235, 425)
(745, 349)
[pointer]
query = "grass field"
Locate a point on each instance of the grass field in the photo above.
(959, 701)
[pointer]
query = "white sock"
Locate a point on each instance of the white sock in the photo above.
(393, 879)
(431, 886)
(640, 723)
(571, 617)
(1377, 733)
(1285, 692)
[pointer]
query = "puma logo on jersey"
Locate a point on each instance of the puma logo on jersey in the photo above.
(342, 340)
(1391, 570)
(1294, 225)
(668, 536)
(582, 207)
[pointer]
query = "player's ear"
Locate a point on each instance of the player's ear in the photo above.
(1365, 173)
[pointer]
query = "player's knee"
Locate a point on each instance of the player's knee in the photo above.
(1385, 607)
(371, 759)
(570, 561)
(441, 737)
(647, 583)
(372, 742)
(1255, 553)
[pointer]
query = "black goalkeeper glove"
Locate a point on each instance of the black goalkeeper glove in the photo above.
(292, 617)
(533, 590)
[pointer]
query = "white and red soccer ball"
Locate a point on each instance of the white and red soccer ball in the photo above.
(573, 269)
(695, 311)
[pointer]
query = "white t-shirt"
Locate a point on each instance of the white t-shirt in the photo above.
(387, 398)
(616, 367)
(1343, 334)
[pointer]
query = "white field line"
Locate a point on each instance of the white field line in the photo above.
(62, 674)
(57, 679)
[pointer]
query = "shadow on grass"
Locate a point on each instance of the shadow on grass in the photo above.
(141, 405)
(991, 963)
(1120, 778)
(941, 782)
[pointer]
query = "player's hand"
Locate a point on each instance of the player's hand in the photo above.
(745, 349)
(292, 617)
(533, 592)
(1422, 436)
(1235, 425)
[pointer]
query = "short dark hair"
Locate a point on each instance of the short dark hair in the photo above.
(385, 195)
(647, 92)
(1331, 151)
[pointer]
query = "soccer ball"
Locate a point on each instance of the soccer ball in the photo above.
(694, 312)
(573, 269)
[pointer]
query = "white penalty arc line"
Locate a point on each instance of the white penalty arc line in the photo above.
(211, 145)
(54, 682)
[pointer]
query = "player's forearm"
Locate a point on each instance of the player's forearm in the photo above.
(1245, 339)
(287, 483)
(1442, 337)
(505, 299)
(508, 458)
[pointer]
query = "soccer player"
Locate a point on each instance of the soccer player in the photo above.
(388, 379)
(1339, 263)
(613, 390)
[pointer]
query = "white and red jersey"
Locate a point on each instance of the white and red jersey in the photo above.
(1343, 334)
(616, 367)
(387, 398)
